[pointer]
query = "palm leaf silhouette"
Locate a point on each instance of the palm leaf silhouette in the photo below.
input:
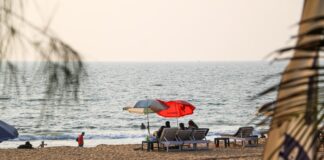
(297, 113)
(60, 62)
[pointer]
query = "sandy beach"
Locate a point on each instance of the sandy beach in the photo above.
(132, 151)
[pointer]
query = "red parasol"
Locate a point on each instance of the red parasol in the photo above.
(176, 109)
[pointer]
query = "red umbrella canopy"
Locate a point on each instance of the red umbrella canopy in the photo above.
(177, 108)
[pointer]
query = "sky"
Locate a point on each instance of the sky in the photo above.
(171, 30)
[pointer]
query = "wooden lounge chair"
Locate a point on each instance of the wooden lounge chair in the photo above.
(185, 137)
(243, 134)
(199, 136)
(168, 138)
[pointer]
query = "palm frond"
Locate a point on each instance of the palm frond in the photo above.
(59, 61)
(298, 110)
(315, 19)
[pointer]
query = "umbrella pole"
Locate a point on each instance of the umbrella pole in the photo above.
(177, 122)
(148, 124)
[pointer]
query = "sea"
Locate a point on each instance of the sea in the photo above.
(222, 92)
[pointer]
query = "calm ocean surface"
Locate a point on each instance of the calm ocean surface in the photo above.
(219, 90)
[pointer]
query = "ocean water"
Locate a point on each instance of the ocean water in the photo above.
(221, 92)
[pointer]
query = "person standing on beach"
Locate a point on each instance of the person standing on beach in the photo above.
(80, 140)
(42, 145)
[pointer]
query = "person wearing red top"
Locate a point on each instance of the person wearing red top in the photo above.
(80, 139)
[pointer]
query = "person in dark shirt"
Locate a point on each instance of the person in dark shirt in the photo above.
(182, 126)
(159, 132)
(192, 125)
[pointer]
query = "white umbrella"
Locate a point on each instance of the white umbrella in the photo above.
(146, 107)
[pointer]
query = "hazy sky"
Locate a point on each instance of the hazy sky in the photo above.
(172, 30)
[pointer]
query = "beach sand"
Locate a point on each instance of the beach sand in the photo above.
(129, 151)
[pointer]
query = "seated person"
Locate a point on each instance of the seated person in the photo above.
(42, 145)
(27, 145)
(143, 126)
(159, 132)
(182, 126)
(192, 125)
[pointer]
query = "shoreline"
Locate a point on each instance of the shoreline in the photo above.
(71, 143)
(11, 144)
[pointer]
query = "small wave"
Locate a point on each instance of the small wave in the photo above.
(5, 98)
(85, 127)
(219, 133)
(158, 85)
(101, 136)
(215, 104)
(108, 136)
(72, 137)
(31, 137)
(93, 99)
(37, 99)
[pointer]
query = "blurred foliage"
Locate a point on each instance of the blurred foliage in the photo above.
(58, 62)
(301, 104)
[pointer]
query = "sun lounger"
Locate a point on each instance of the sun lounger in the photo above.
(173, 137)
(194, 137)
(168, 138)
(243, 134)
(185, 137)
(199, 136)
